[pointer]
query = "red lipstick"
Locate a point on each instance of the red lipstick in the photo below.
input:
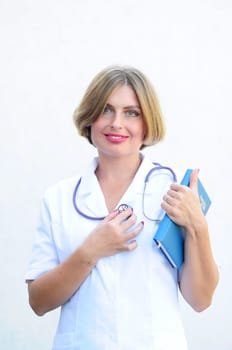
(116, 138)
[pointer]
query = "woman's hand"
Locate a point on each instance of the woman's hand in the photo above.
(111, 236)
(182, 204)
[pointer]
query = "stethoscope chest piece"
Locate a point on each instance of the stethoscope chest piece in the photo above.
(122, 207)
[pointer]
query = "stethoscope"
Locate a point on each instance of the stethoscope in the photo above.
(123, 207)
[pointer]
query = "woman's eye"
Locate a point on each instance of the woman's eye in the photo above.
(107, 110)
(133, 113)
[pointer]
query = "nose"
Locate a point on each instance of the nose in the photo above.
(116, 122)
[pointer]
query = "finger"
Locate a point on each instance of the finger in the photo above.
(194, 180)
(111, 216)
(166, 206)
(128, 222)
(170, 200)
(173, 194)
(131, 242)
(132, 245)
(128, 246)
(131, 235)
(121, 216)
(175, 187)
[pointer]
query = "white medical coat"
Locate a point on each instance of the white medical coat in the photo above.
(129, 301)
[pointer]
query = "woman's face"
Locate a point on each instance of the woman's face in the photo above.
(120, 129)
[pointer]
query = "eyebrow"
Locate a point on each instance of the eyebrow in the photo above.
(135, 106)
(126, 107)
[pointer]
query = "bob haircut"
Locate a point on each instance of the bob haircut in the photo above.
(101, 87)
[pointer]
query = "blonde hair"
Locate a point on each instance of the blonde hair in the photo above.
(101, 87)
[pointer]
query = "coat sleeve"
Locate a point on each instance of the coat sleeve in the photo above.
(44, 253)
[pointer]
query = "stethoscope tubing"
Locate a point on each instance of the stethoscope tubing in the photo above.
(122, 206)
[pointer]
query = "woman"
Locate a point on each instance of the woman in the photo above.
(95, 256)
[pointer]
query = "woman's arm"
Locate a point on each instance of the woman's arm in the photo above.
(55, 287)
(199, 275)
(109, 237)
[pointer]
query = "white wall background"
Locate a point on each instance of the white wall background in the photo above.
(50, 49)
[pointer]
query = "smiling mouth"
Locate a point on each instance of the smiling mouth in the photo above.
(116, 137)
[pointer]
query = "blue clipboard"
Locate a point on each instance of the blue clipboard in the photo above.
(169, 236)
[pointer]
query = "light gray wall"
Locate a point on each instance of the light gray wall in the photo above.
(50, 49)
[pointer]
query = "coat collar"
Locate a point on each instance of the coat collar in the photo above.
(90, 184)
(90, 197)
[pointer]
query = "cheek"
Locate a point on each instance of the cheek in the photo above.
(142, 130)
(96, 128)
(93, 135)
(137, 130)
(144, 127)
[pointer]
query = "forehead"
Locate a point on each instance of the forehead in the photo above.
(123, 95)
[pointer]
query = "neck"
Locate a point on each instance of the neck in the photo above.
(120, 168)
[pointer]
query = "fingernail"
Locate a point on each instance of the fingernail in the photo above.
(142, 222)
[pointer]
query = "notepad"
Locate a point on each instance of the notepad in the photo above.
(169, 236)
